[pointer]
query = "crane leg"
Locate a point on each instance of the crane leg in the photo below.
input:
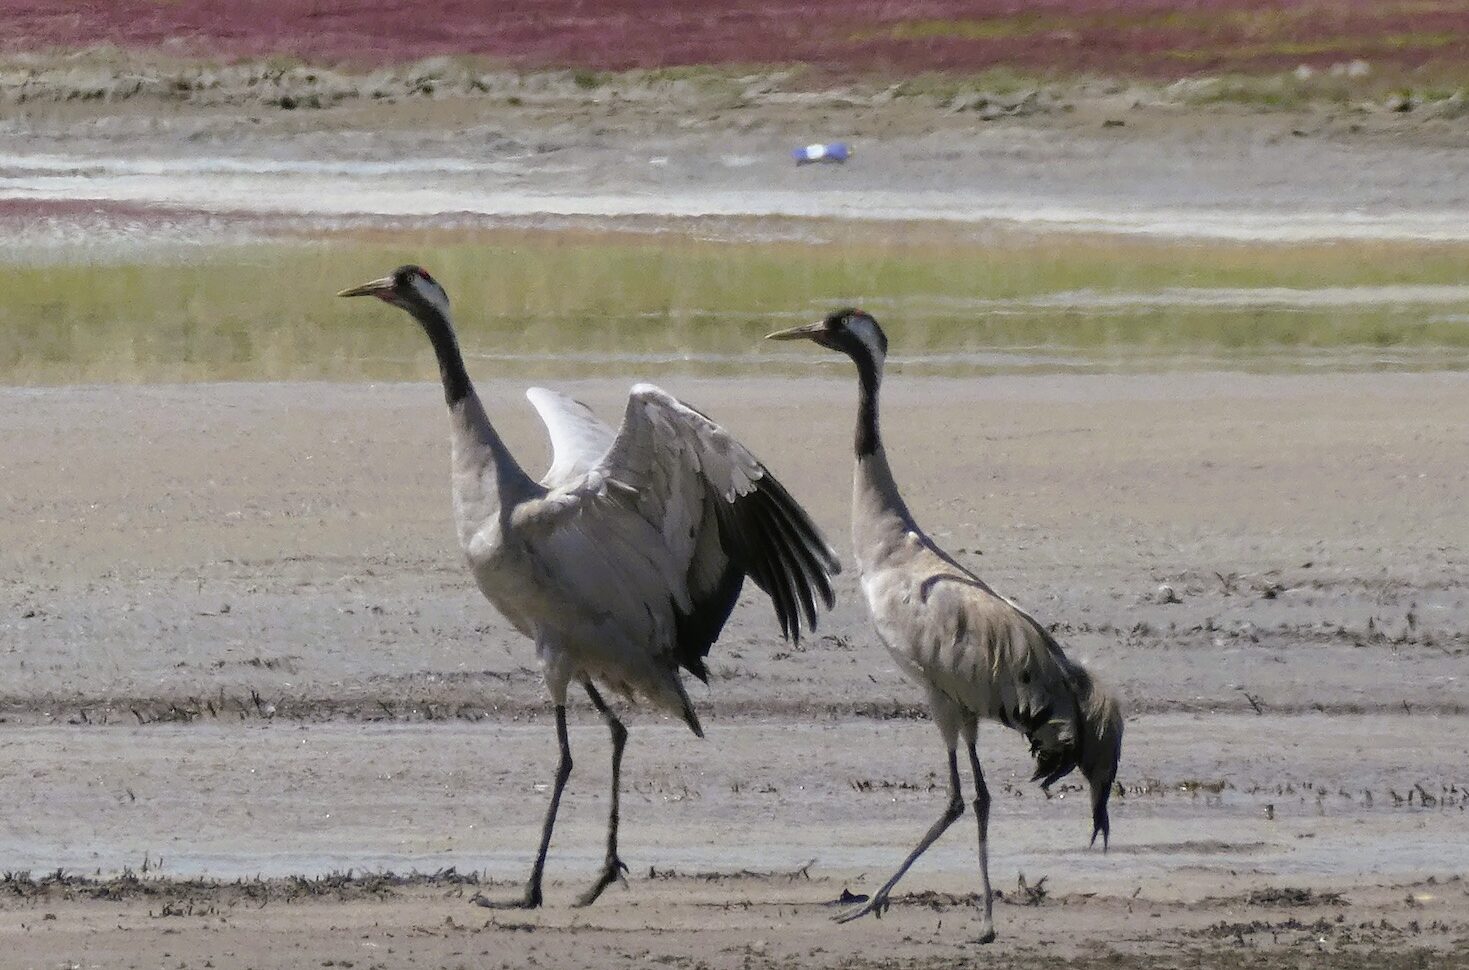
(612, 867)
(532, 898)
(982, 812)
(952, 811)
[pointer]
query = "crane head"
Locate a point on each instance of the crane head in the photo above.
(407, 287)
(1085, 733)
(849, 330)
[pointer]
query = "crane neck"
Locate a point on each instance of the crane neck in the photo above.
(869, 382)
(880, 517)
(457, 385)
(477, 446)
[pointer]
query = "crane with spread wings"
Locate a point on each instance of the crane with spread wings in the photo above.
(625, 560)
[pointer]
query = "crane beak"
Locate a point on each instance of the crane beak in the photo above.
(382, 289)
(809, 332)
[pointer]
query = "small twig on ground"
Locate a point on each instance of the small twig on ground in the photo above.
(1254, 701)
(1032, 895)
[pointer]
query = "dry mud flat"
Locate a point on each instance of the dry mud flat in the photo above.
(234, 635)
(738, 921)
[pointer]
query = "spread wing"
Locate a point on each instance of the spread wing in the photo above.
(578, 439)
(716, 512)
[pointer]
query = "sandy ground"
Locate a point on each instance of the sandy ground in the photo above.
(235, 640)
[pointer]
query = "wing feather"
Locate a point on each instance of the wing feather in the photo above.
(785, 582)
(764, 531)
(803, 541)
(763, 565)
(578, 438)
(719, 511)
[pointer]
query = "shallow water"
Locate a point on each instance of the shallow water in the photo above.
(507, 187)
(139, 298)
(235, 800)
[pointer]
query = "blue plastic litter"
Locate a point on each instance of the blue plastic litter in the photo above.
(836, 151)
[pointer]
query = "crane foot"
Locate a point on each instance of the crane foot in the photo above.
(612, 871)
(876, 906)
(531, 900)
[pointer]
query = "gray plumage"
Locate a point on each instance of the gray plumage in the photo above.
(977, 655)
(625, 560)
